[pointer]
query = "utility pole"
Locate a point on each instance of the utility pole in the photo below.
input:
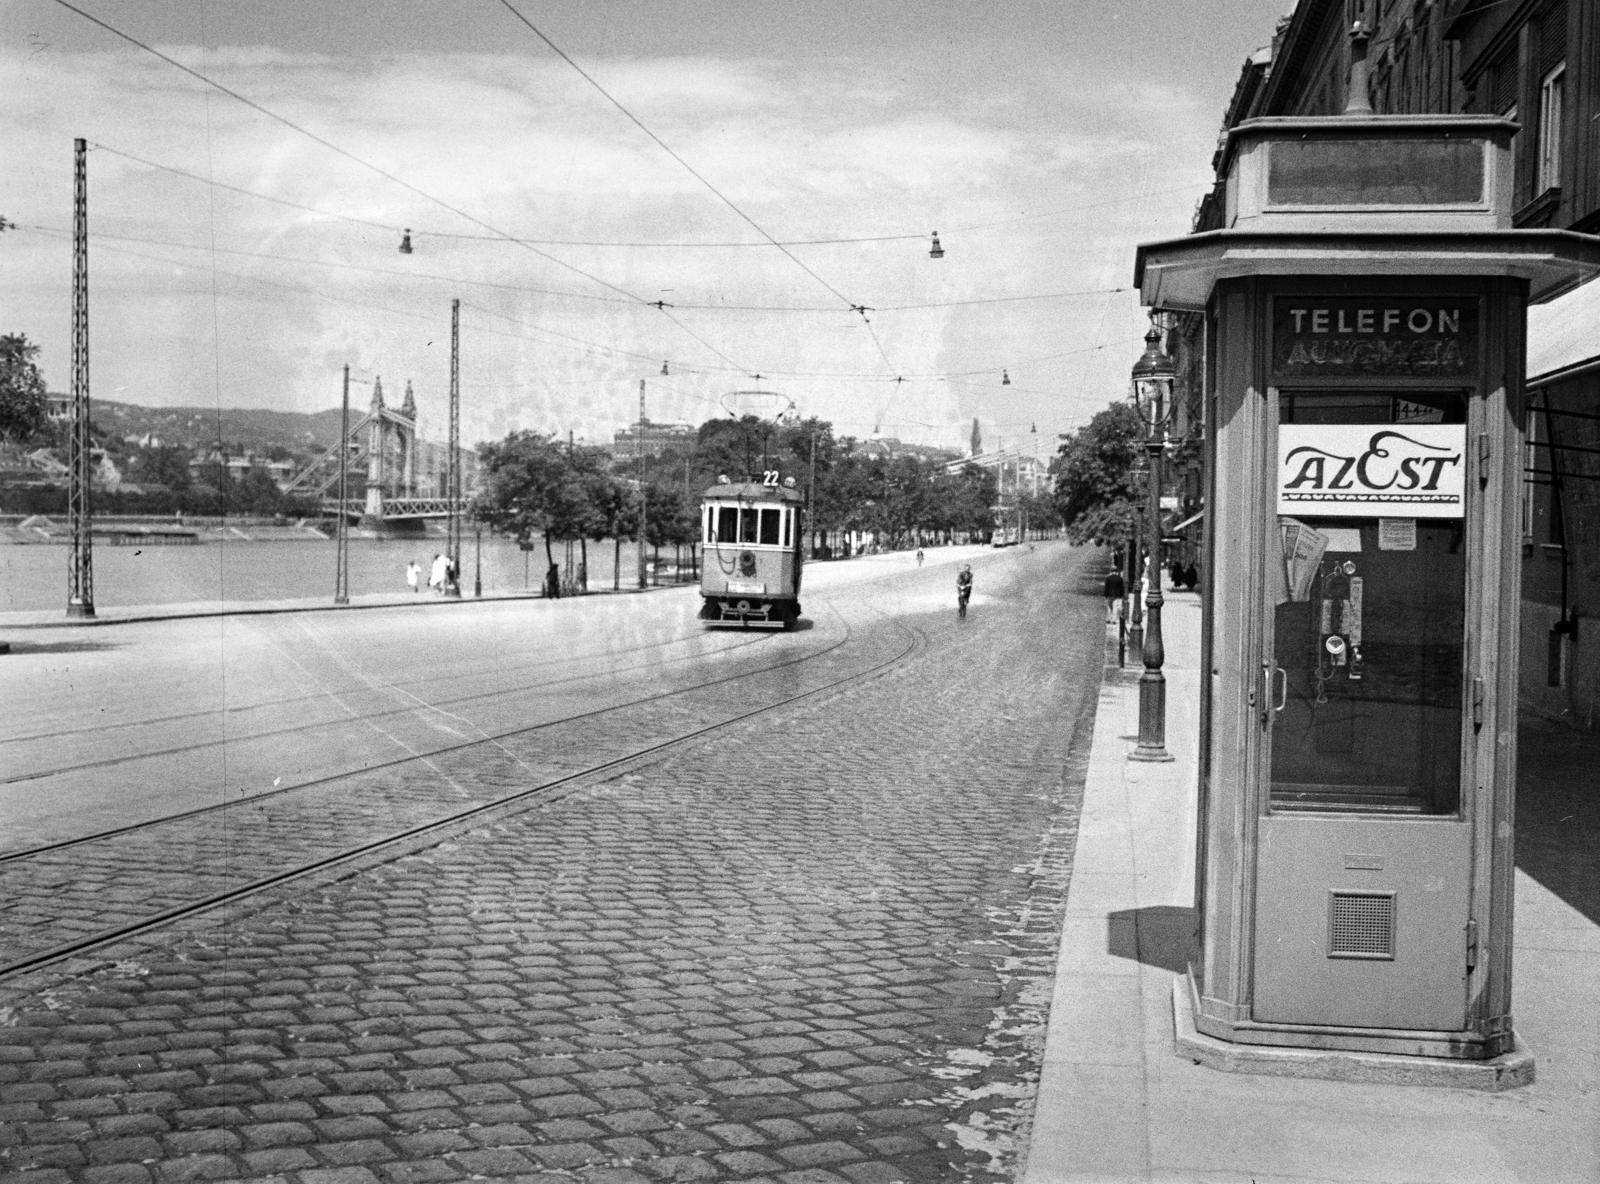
(80, 571)
(811, 494)
(638, 444)
(453, 588)
(341, 573)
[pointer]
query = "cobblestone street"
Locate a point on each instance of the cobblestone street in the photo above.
(816, 949)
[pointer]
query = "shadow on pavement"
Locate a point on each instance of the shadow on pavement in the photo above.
(62, 647)
(1160, 935)
(1558, 811)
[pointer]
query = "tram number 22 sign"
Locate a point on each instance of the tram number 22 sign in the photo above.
(1369, 470)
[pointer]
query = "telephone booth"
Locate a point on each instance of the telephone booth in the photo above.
(1363, 310)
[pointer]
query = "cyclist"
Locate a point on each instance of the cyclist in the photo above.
(963, 589)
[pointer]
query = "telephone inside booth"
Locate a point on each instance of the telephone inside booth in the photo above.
(1369, 617)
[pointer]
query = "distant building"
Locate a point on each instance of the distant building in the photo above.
(282, 471)
(889, 447)
(1014, 470)
(653, 439)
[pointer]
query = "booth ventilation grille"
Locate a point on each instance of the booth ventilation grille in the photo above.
(1361, 925)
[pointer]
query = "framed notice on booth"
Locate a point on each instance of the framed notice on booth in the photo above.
(1385, 470)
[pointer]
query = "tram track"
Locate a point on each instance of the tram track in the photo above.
(125, 883)
(488, 738)
(334, 695)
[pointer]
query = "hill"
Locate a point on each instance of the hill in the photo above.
(241, 429)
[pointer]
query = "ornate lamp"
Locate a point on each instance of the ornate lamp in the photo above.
(1153, 377)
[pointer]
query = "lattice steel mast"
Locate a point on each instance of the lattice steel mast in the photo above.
(454, 490)
(80, 571)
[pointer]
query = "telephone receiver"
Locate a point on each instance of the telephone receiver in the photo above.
(1339, 624)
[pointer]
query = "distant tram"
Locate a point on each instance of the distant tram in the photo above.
(752, 531)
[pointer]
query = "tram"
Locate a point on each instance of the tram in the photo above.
(752, 533)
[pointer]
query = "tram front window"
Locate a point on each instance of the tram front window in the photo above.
(1370, 616)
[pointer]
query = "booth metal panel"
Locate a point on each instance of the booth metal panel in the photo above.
(1362, 922)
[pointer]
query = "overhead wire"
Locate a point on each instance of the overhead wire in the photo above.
(412, 273)
(117, 244)
(642, 244)
(380, 171)
(667, 148)
(498, 234)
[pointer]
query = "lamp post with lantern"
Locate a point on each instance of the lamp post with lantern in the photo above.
(1139, 482)
(1153, 377)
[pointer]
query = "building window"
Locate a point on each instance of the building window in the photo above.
(1550, 99)
(1531, 476)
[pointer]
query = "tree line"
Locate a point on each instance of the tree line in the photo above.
(532, 484)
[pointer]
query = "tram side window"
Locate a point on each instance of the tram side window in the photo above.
(769, 527)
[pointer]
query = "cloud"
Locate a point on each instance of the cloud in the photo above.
(259, 303)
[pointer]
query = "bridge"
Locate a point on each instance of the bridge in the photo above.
(403, 479)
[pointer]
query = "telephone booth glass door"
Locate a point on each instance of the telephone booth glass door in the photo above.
(1369, 621)
(1364, 860)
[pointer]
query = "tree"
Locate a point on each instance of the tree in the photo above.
(22, 393)
(1094, 492)
(163, 464)
(616, 505)
(257, 494)
(669, 517)
(522, 491)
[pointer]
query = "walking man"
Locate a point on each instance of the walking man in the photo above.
(1116, 591)
(963, 590)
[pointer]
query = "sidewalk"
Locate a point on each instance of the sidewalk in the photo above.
(128, 614)
(1117, 1101)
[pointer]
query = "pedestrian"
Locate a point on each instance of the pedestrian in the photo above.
(452, 577)
(963, 590)
(413, 575)
(437, 573)
(1116, 591)
(919, 556)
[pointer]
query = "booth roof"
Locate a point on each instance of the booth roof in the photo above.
(1561, 335)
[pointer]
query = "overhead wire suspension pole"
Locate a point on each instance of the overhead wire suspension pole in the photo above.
(453, 543)
(80, 571)
(341, 574)
(638, 445)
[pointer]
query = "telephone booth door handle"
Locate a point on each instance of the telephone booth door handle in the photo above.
(1270, 674)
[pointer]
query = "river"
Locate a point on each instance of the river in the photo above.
(34, 576)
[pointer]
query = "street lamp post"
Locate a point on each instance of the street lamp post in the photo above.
(477, 554)
(1153, 379)
(1141, 482)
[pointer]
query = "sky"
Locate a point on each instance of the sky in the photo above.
(742, 192)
